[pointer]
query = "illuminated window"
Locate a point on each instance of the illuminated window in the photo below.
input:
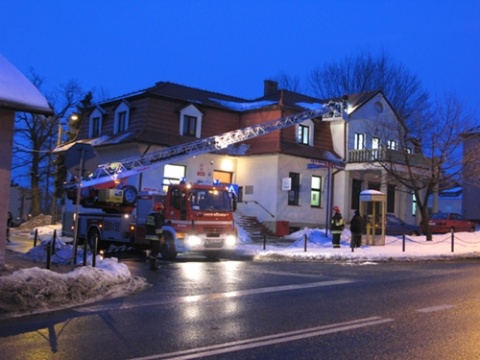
(316, 192)
(359, 141)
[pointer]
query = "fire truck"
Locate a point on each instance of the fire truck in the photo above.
(198, 217)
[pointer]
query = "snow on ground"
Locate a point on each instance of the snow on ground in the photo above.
(35, 290)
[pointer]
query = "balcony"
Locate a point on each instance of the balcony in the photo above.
(387, 155)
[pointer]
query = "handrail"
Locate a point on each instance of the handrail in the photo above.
(263, 207)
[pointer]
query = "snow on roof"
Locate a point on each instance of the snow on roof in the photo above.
(243, 106)
(18, 93)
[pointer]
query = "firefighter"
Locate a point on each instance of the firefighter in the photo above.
(336, 227)
(154, 225)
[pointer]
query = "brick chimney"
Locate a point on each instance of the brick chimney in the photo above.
(270, 87)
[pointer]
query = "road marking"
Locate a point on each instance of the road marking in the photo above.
(266, 340)
(209, 297)
(435, 308)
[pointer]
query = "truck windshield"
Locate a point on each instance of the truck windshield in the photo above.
(210, 200)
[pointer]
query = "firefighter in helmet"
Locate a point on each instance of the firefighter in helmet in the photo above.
(336, 226)
(154, 225)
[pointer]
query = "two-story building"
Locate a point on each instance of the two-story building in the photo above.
(290, 176)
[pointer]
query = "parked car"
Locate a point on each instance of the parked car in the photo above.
(396, 226)
(445, 222)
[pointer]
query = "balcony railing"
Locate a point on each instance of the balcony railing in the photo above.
(386, 155)
(366, 155)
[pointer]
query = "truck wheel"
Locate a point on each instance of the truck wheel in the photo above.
(169, 251)
(93, 236)
(130, 194)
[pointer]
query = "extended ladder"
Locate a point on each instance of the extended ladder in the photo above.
(139, 164)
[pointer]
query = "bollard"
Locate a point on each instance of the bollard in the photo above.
(85, 250)
(305, 242)
(453, 237)
(94, 251)
(49, 254)
(35, 237)
(54, 241)
(403, 242)
(264, 241)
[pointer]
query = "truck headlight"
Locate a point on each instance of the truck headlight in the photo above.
(194, 240)
(230, 240)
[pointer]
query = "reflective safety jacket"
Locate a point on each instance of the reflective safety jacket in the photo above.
(336, 224)
(154, 225)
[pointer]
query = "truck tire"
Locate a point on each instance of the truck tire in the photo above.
(130, 194)
(93, 236)
(168, 251)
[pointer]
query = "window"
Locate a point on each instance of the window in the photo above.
(375, 143)
(95, 123)
(303, 134)
(96, 127)
(294, 192)
(316, 192)
(191, 121)
(414, 204)
(122, 114)
(173, 174)
(392, 145)
(189, 125)
(359, 141)
(122, 121)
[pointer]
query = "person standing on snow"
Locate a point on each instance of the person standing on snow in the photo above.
(336, 226)
(154, 230)
(356, 228)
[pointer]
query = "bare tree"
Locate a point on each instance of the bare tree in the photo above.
(365, 72)
(287, 82)
(36, 136)
(432, 160)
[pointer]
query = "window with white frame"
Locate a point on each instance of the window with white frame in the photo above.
(359, 141)
(316, 192)
(122, 114)
(191, 121)
(392, 145)
(189, 125)
(375, 143)
(305, 133)
(95, 123)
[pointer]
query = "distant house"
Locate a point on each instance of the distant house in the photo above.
(325, 162)
(449, 200)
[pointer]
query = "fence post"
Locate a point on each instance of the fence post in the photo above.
(403, 242)
(54, 239)
(305, 242)
(49, 254)
(85, 245)
(35, 237)
(264, 241)
(453, 237)
(94, 252)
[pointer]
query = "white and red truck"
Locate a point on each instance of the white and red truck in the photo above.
(198, 218)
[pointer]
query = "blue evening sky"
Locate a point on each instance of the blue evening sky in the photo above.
(228, 46)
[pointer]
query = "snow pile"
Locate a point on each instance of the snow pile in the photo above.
(36, 290)
(313, 245)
